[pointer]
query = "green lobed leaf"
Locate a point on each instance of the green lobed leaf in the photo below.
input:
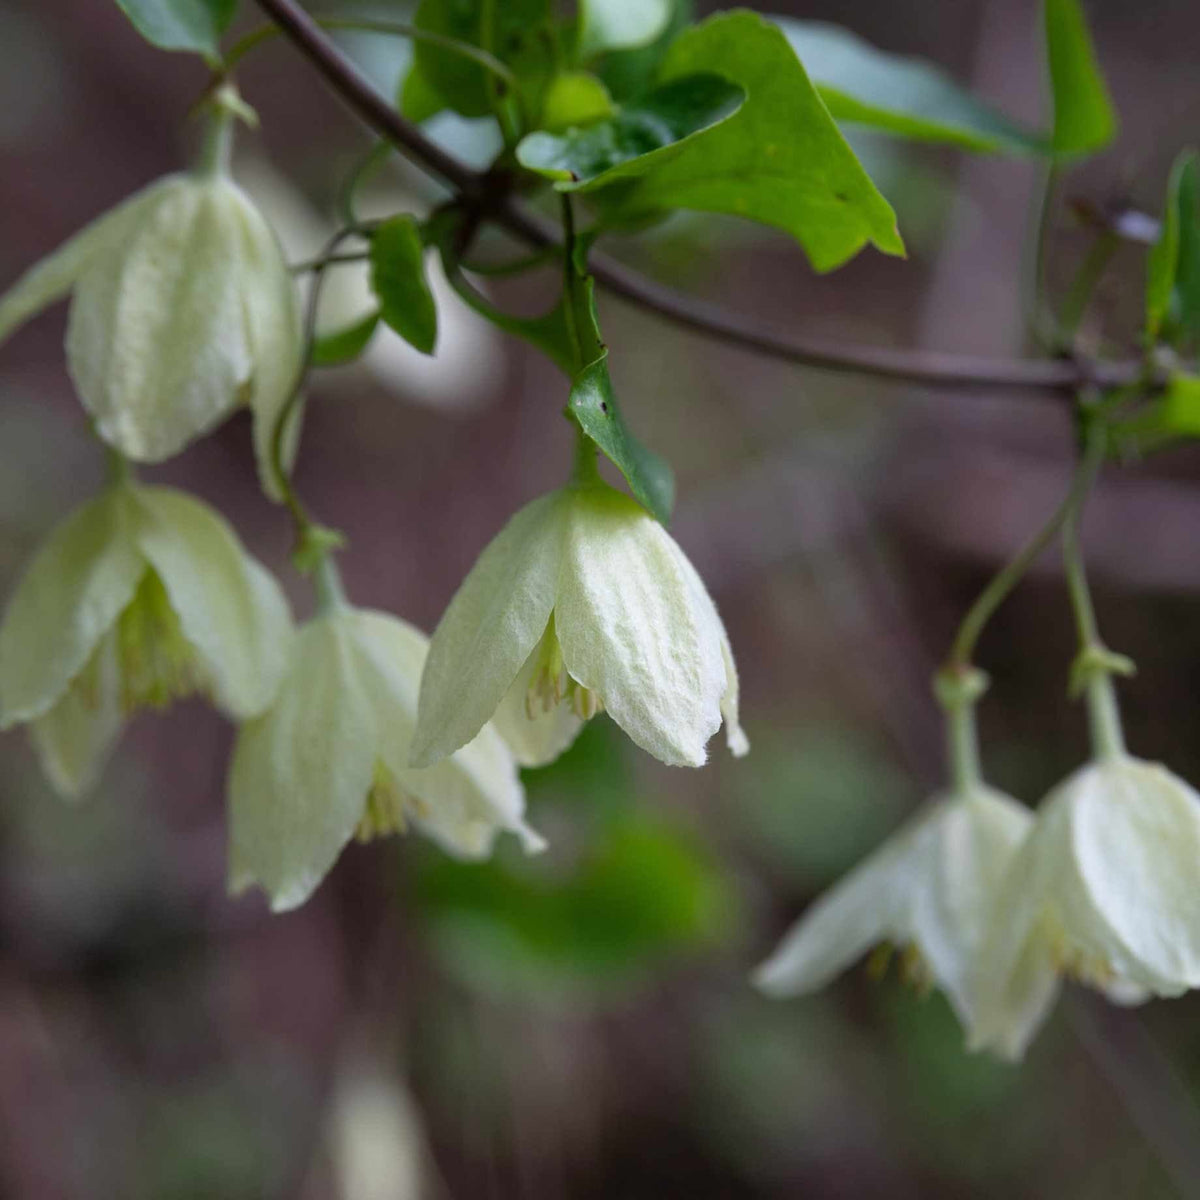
(1084, 120)
(514, 31)
(593, 404)
(398, 280)
(905, 96)
(606, 25)
(658, 123)
(779, 160)
(344, 345)
(193, 25)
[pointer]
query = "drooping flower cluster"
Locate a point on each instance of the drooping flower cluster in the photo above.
(182, 310)
(995, 906)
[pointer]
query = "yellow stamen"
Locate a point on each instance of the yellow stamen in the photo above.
(388, 807)
(551, 684)
(158, 664)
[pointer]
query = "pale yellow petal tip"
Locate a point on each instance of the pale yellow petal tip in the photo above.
(736, 740)
(771, 981)
(532, 842)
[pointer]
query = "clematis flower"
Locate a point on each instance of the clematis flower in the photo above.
(929, 891)
(141, 597)
(328, 761)
(582, 602)
(182, 310)
(1104, 891)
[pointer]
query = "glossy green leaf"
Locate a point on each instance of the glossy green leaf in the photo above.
(1173, 264)
(779, 160)
(194, 25)
(344, 345)
(575, 98)
(657, 124)
(606, 25)
(514, 31)
(593, 404)
(1084, 120)
(398, 280)
(905, 96)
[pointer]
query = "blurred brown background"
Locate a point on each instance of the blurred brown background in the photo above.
(581, 1025)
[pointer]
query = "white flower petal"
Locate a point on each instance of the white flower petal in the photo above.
(55, 275)
(970, 842)
(275, 334)
(465, 799)
(301, 772)
(867, 906)
(156, 341)
(1136, 840)
(735, 738)
(631, 629)
(496, 618)
(538, 739)
(81, 579)
(230, 607)
(73, 739)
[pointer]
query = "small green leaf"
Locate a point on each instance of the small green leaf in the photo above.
(1173, 264)
(418, 100)
(905, 96)
(514, 31)
(606, 25)
(194, 25)
(594, 406)
(658, 123)
(1179, 408)
(398, 280)
(575, 98)
(1084, 120)
(780, 159)
(345, 344)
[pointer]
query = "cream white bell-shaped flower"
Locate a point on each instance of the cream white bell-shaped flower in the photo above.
(1104, 891)
(328, 761)
(182, 310)
(582, 602)
(929, 891)
(142, 596)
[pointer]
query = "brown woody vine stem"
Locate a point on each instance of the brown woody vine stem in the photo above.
(929, 368)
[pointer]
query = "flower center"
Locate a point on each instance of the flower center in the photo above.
(914, 970)
(157, 663)
(1073, 961)
(388, 807)
(551, 684)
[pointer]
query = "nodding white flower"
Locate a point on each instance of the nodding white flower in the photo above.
(1104, 891)
(929, 891)
(142, 596)
(582, 602)
(328, 761)
(182, 310)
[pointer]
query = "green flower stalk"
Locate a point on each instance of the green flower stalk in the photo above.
(582, 602)
(328, 761)
(182, 310)
(141, 597)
